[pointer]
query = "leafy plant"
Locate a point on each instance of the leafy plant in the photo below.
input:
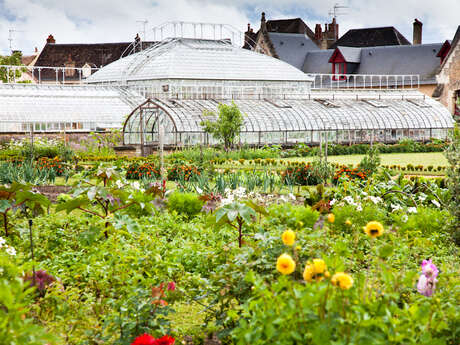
(227, 126)
(187, 204)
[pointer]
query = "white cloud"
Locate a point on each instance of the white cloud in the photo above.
(111, 21)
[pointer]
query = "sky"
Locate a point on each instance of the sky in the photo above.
(92, 21)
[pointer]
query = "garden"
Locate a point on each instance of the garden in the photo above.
(229, 246)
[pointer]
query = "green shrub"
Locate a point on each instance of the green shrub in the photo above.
(187, 204)
(294, 217)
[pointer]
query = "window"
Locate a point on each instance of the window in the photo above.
(457, 104)
(339, 68)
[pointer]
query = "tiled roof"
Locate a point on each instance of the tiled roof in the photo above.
(371, 37)
(290, 26)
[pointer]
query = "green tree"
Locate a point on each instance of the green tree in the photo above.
(12, 60)
(228, 125)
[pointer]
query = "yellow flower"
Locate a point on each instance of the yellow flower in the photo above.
(327, 274)
(298, 247)
(374, 229)
(288, 237)
(342, 280)
(285, 264)
(315, 271)
(348, 222)
(331, 217)
(319, 266)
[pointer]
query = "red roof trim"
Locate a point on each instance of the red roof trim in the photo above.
(337, 56)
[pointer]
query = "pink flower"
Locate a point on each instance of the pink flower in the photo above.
(171, 286)
(427, 280)
(426, 286)
(429, 269)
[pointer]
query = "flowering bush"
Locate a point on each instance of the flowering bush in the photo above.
(303, 175)
(54, 164)
(350, 174)
(137, 171)
(185, 172)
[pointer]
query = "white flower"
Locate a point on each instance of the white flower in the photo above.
(199, 190)
(119, 184)
(364, 193)
(412, 209)
(332, 202)
(375, 199)
(291, 196)
(404, 218)
(349, 200)
(2, 241)
(395, 207)
(359, 207)
(136, 185)
(11, 251)
(422, 197)
(436, 203)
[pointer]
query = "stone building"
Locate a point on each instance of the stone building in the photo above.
(448, 89)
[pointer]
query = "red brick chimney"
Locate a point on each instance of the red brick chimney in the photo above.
(50, 39)
(417, 36)
(318, 32)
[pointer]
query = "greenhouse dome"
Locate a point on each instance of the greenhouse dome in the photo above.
(193, 68)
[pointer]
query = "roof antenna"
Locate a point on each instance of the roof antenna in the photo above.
(334, 13)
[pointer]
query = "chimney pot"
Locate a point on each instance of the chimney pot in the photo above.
(50, 39)
(417, 35)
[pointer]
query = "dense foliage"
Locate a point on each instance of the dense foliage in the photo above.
(295, 255)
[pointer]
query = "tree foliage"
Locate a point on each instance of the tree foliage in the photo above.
(228, 125)
(12, 60)
(453, 178)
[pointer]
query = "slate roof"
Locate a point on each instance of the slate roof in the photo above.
(99, 54)
(352, 55)
(401, 60)
(292, 48)
(371, 37)
(318, 62)
(290, 26)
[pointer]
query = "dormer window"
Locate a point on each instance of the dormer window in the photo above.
(344, 60)
(338, 69)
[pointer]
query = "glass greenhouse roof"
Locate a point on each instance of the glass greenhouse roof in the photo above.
(104, 106)
(198, 59)
(318, 111)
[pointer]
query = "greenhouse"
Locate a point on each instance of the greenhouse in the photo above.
(51, 108)
(346, 117)
(170, 85)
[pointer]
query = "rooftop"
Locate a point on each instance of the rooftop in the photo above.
(197, 59)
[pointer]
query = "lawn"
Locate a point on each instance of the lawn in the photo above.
(426, 158)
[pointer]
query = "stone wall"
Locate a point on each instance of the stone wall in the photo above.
(449, 77)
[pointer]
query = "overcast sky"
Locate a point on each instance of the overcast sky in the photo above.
(89, 21)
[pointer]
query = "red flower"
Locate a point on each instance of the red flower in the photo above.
(171, 286)
(165, 340)
(145, 339)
